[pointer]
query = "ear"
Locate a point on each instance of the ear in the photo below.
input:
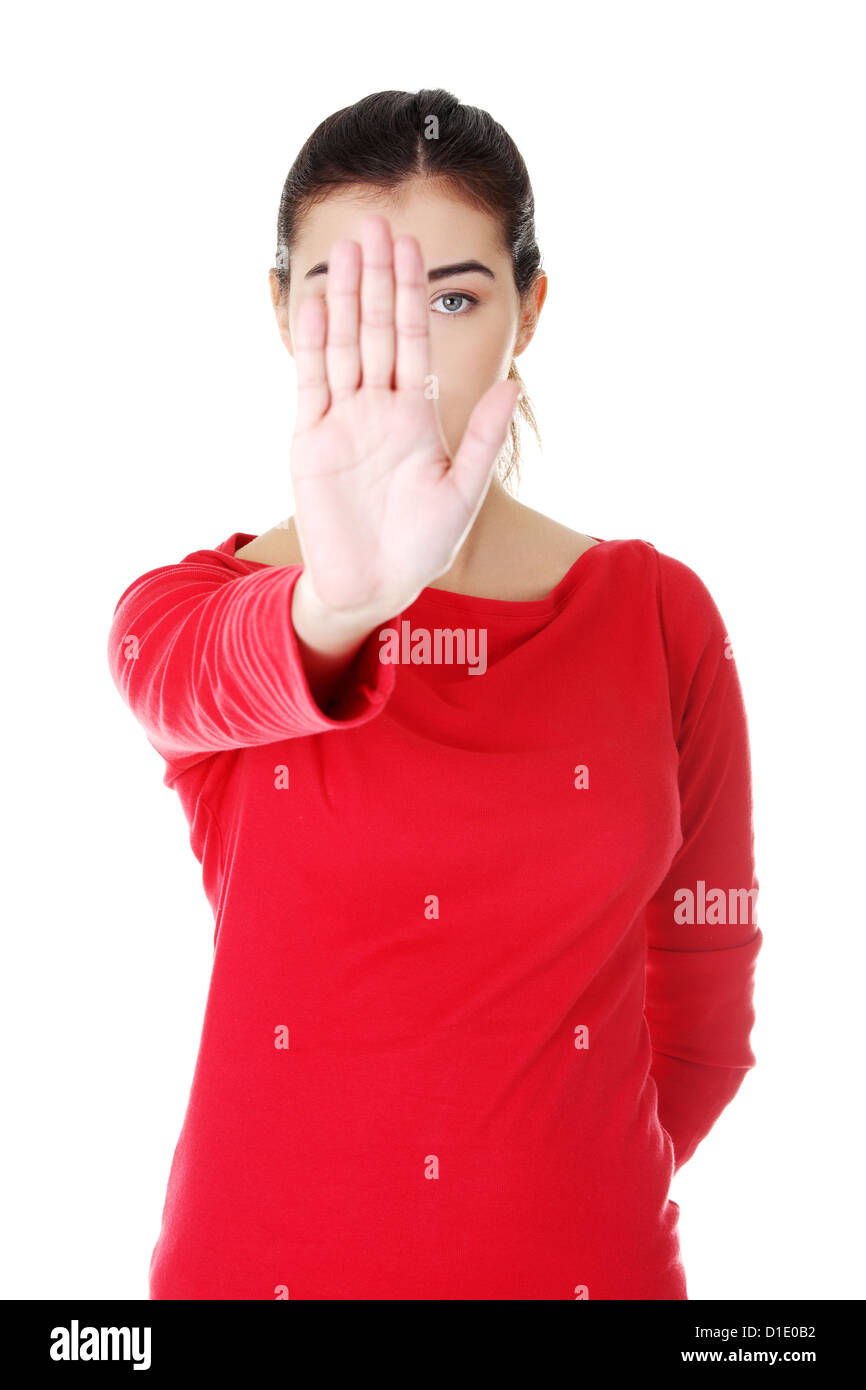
(529, 313)
(281, 311)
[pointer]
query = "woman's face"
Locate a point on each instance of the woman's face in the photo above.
(477, 324)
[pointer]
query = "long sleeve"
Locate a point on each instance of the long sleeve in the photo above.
(208, 660)
(702, 937)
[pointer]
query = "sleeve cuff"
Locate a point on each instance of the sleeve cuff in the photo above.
(365, 686)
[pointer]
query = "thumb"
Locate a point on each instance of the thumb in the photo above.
(484, 436)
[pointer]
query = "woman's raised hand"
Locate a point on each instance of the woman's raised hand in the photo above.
(381, 508)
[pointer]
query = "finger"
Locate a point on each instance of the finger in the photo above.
(411, 315)
(377, 304)
(342, 354)
(485, 434)
(310, 332)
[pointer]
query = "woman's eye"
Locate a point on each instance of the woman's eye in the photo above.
(451, 313)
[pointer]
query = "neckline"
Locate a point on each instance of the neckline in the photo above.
(471, 603)
(507, 607)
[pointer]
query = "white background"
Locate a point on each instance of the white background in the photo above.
(698, 378)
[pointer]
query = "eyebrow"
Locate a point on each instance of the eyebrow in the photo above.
(442, 272)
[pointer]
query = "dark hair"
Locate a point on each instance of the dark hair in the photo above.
(389, 138)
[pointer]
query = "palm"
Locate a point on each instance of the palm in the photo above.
(381, 507)
(376, 509)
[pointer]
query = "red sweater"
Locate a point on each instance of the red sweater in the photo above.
(484, 938)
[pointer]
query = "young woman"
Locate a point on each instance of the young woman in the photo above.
(470, 790)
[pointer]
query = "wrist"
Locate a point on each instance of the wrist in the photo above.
(330, 630)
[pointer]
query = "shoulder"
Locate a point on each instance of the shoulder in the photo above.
(684, 597)
(695, 637)
(547, 544)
